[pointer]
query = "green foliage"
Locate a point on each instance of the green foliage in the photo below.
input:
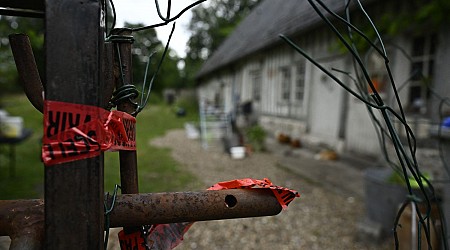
(412, 17)
(145, 43)
(416, 17)
(189, 103)
(28, 182)
(34, 28)
(256, 136)
(157, 170)
(398, 179)
(210, 25)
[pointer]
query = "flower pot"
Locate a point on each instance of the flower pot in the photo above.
(382, 199)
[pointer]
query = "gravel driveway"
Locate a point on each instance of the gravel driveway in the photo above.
(319, 219)
(322, 218)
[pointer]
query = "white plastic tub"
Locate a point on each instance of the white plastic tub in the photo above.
(237, 152)
(11, 126)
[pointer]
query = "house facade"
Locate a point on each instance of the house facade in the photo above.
(290, 95)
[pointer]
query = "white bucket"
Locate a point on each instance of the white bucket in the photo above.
(3, 114)
(237, 152)
(191, 131)
(11, 126)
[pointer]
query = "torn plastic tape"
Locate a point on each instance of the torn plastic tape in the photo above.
(168, 236)
(134, 241)
(74, 132)
(283, 195)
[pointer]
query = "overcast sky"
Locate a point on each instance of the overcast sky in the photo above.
(144, 11)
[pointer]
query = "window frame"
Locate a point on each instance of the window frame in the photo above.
(422, 59)
(256, 81)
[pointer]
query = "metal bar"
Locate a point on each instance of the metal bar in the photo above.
(12, 160)
(25, 8)
(21, 12)
(74, 213)
(27, 69)
(38, 5)
(159, 208)
(23, 221)
(128, 159)
(108, 74)
(132, 210)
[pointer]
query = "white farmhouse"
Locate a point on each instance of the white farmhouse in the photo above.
(290, 95)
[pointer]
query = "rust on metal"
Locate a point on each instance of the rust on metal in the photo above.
(157, 208)
(27, 69)
(128, 159)
(132, 210)
(23, 221)
(108, 74)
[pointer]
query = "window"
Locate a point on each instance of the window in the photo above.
(299, 91)
(378, 74)
(285, 83)
(293, 91)
(423, 50)
(256, 84)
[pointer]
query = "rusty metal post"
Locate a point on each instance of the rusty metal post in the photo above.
(123, 76)
(74, 210)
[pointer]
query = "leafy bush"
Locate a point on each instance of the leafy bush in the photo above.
(256, 136)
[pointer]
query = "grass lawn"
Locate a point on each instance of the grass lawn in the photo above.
(158, 171)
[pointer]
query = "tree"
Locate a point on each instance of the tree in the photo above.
(145, 44)
(418, 17)
(210, 25)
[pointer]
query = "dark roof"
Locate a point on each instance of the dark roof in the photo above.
(261, 29)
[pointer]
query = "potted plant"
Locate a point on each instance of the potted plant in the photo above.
(256, 137)
(385, 191)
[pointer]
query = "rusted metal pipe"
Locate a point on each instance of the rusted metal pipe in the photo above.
(123, 75)
(127, 159)
(159, 208)
(132, 210)
(27, 69)
(23, 221)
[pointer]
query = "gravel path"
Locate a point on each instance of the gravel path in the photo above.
(319, 219)
(322, 218)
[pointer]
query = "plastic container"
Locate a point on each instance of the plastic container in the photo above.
(237, 152)
(11, 126)
(3, 114)
(191, 131)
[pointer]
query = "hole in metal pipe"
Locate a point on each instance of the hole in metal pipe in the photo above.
(230, 201)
